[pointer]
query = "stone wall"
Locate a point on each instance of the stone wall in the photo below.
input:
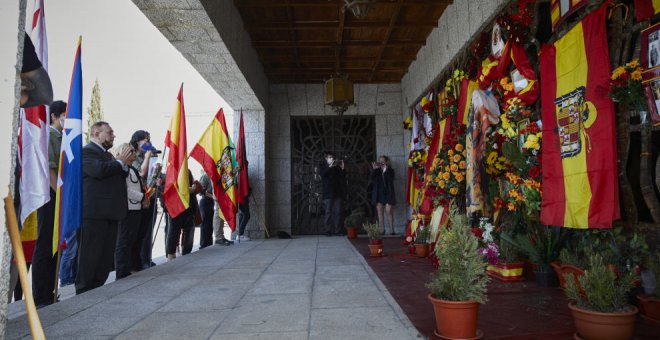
(456, 27)
(380, 100)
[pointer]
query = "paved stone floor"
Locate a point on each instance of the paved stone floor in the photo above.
(305, 288)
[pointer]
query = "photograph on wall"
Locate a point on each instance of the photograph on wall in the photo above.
(650, 47)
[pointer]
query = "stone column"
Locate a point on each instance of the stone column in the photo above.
(254, 122)
(12, 15)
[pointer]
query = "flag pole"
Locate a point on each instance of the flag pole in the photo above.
(57, 271)
(14, 235)
(153, 217)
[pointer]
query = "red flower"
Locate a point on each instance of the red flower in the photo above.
(534, 172)
(532, 128)
(477, 232)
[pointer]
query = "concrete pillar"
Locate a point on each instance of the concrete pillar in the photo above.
(12, 15)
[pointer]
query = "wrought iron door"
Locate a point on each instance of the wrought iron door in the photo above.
(351, 138)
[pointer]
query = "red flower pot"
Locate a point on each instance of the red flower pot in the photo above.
(507, 271)
(351, 232)
(376, 250)
(603, 326)
(422, 249)
(456, 319)
(649, 306)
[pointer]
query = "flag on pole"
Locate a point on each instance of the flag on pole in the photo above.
(214, 152)
(34, 182)
(645, 9)
(241, 160)
(177, 185)
(580, 188)
(68, 202)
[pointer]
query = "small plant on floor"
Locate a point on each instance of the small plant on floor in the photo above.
(422, 235)
(373, 231)
(462, 272)
(603, 291)
(459, 284)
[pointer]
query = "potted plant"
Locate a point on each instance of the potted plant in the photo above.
(509, 267)
(353, 221)
(649, 302)
(541, 246)
(571, 263)
(459, 284)
(422, 241)
(601, 310)
(375, 238)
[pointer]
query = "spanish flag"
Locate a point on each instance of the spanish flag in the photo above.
(580, 188)
(215, 152)
(464, 99)
(177, 186)
(645, 9)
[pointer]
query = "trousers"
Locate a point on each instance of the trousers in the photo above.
(44, 263)
(127, 238)
(206, 229)
(97, 240)
(332, 218)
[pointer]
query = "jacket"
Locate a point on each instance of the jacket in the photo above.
(134, 189)
(333, 181)
(104, 185)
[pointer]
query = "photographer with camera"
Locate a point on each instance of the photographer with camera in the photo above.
(333, 179)
(382, 192)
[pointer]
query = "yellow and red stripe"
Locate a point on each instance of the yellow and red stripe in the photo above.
(645, 9)
(177, 185)
(467, 87)
(214, 152)
(580, 188)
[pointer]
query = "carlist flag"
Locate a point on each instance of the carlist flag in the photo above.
(241, 159)
(68, 204)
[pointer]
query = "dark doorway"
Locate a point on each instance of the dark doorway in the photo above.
(351, 138)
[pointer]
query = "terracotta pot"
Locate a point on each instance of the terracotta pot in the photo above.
(375, 242)
(455, 319)
(649, 306)
(376, 249)
(562, 269)
(507, 271)
(422, 249)
(351, 232)
(603, 326)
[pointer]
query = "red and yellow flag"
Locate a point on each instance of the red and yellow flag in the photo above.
(177, 185)
(467, 87)
(580, 188)
(645, 9)
(215, 152)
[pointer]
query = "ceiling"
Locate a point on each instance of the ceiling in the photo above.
(297, 40)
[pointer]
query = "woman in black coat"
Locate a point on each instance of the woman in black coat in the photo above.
(382, 192)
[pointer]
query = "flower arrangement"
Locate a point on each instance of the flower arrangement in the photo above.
(446, 176)
(524, 194)
(490, 250)
(626, 86)
(407, 124)
(417, 161)
(449, 105)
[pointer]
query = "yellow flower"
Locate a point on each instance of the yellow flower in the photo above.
(511, 207)
(532, 142)
(462, 165)
(505, 121)
(492, 157)
(445, 176)
(454, 167)
(441, 183)
(633, 64)
(459, 147)
(459, 177)
(636, 75)
(618, 72)
(450, 152)
(457, 158)
(453, 191)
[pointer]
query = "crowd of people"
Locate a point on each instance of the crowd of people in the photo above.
(121, 186)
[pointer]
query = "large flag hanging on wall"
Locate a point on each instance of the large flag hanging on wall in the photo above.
(561, 9)
(69, 200)
(645, 9)
(177, 186)
(215, 152)
(580, 187)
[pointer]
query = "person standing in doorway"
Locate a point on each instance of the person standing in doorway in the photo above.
(333, 179)
(382, 192)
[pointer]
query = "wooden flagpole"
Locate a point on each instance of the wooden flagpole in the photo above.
(15, 237)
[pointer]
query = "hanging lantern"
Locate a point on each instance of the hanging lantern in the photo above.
(359, 8)
(339, 93)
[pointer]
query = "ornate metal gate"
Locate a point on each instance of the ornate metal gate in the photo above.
(351, 138)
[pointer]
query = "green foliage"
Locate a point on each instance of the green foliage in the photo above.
(541, 245)
(574, 258)
(422, 235)
(356, 218)
(461, 275)
(603, 292)
(94, 111)
(514, 155)
(508, 252)
(618, 246)
(373, 230)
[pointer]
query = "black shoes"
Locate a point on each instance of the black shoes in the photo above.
(328, 233)
(224, 242)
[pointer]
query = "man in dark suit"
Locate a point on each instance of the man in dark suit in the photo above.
(104, 204)
(333, 179)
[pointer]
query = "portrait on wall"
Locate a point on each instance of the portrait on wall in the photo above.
(650, 47)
